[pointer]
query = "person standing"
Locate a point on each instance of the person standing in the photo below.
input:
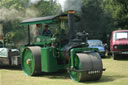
(37, 32)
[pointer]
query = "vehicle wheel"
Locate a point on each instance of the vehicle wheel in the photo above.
(83, 62)
(115, 56)
(31, 60)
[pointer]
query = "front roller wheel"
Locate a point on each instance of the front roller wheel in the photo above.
(31, 60)
(88, 67)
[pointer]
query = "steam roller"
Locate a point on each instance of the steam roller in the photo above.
(88, 67)
(63, 51)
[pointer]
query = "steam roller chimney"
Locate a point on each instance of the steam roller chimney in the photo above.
(1, 31)
(71, 24)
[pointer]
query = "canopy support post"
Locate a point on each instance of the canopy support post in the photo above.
(28, 35)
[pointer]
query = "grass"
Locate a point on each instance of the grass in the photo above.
(116, 74)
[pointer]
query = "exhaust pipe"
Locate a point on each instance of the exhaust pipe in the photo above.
(71, 24)
(1, 32)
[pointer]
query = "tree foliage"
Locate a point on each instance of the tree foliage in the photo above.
(119, 11)
(94, 20)
(47, 8)
(97, 16)
(14, 4)
(19, 10)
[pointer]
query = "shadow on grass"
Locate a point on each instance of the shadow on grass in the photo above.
(105, 78)
(65, 75)
(11, 67)
(56, 75)
(123, 58)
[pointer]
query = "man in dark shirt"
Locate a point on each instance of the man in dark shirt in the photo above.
(46, 31)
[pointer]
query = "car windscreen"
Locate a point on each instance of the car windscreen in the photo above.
(120, 35)
(94, 43)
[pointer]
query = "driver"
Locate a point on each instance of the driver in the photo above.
(46, 31)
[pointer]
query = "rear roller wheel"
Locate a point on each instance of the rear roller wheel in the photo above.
(31, 60)
(88, 67)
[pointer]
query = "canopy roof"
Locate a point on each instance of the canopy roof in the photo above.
(39, 20)
(46, 20)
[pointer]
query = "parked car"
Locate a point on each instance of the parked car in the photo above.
(119, 43)
(97, 44)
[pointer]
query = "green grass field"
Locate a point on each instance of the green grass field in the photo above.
(116, 74)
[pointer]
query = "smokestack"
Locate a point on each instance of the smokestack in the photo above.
(71, 23)
(1, 32)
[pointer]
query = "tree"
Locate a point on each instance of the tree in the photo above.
(12, 12)
(14, 4)
(94, 20)
(47, 8)
(119, 10)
